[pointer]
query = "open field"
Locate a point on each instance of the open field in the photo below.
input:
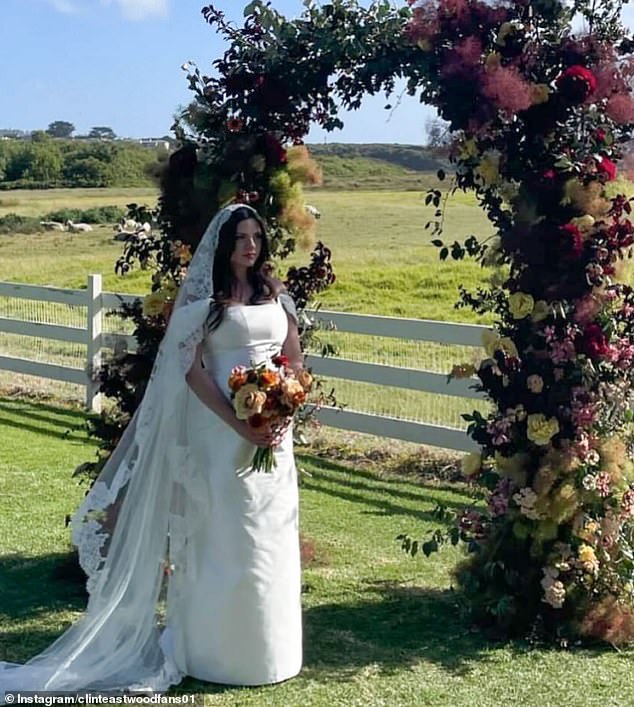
(381, 629)
(381, 255)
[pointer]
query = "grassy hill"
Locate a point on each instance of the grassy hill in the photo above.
(377, 166)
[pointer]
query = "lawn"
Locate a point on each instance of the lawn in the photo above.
(380, 628)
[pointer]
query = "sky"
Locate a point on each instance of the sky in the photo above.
(117, 63)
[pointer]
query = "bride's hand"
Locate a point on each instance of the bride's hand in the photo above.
(259, 436)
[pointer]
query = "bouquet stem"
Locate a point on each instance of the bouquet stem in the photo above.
(264, 460)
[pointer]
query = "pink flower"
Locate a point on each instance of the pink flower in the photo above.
(562, 351)
(620, 108)
(586, 309)
(506, 87)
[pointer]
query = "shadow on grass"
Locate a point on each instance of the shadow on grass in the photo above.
(33, 589)
(393, 628)
(378, 495)
(70, 422)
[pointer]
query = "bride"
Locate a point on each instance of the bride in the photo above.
(177, 511)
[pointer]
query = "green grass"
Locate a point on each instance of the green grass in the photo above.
(381, 629)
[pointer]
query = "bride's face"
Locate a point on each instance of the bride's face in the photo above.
(248, 245)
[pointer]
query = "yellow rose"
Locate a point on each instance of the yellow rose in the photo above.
(583, 223)
(541, 429)
(508, 347)
(506, 28)
(541, 310)
(248, 401)
(521, 305)
(153, 304)
(490, 341)
(471, 463)
(424, 44)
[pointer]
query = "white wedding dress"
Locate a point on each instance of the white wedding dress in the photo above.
(233, 612)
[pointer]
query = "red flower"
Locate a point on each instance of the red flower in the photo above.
(607, 168)
(594, 343)
(575, 239)
(280, 360)
(576, 83)
(235, 125)
(600, 135)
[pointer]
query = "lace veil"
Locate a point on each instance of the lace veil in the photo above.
(131, 528)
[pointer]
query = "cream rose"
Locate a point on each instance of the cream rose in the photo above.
(541, 429)
(292, 393)
(521, 305)
(249, 401)
(535, 383)
(471, 463)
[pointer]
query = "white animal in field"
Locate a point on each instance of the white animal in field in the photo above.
(53, 225)
(313, 211)
(128, 227)
(78, 227)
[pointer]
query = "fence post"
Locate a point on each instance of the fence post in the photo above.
(93, 354)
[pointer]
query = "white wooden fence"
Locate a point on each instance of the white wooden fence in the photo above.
(92, 335)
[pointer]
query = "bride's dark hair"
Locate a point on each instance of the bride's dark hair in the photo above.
(264, 287)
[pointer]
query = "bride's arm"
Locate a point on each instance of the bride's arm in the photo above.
(210, 394)
(292, 348)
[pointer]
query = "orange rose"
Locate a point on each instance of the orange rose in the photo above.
(305, 379)
(237, 378)
(269, 379)
(248, 401)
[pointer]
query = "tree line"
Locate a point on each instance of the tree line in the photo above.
(42, 162)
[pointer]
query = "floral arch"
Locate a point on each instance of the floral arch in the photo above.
(540, 115)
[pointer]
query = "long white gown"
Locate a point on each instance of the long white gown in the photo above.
(233, 597)
(239, 621)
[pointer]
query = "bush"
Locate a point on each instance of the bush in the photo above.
(14, 223)
(98, 215)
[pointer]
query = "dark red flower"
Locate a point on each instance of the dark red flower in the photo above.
(594, 343)
(576, 83)
(274, 150)
(607, 169)
(549, 174)
(256, 420)
(235, 125)
(280, 360)
(573, 239)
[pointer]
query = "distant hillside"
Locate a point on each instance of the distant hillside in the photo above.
(376, 166)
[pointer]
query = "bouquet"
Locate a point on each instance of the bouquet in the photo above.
(269, 393)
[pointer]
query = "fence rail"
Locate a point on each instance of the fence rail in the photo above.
(95, 302)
